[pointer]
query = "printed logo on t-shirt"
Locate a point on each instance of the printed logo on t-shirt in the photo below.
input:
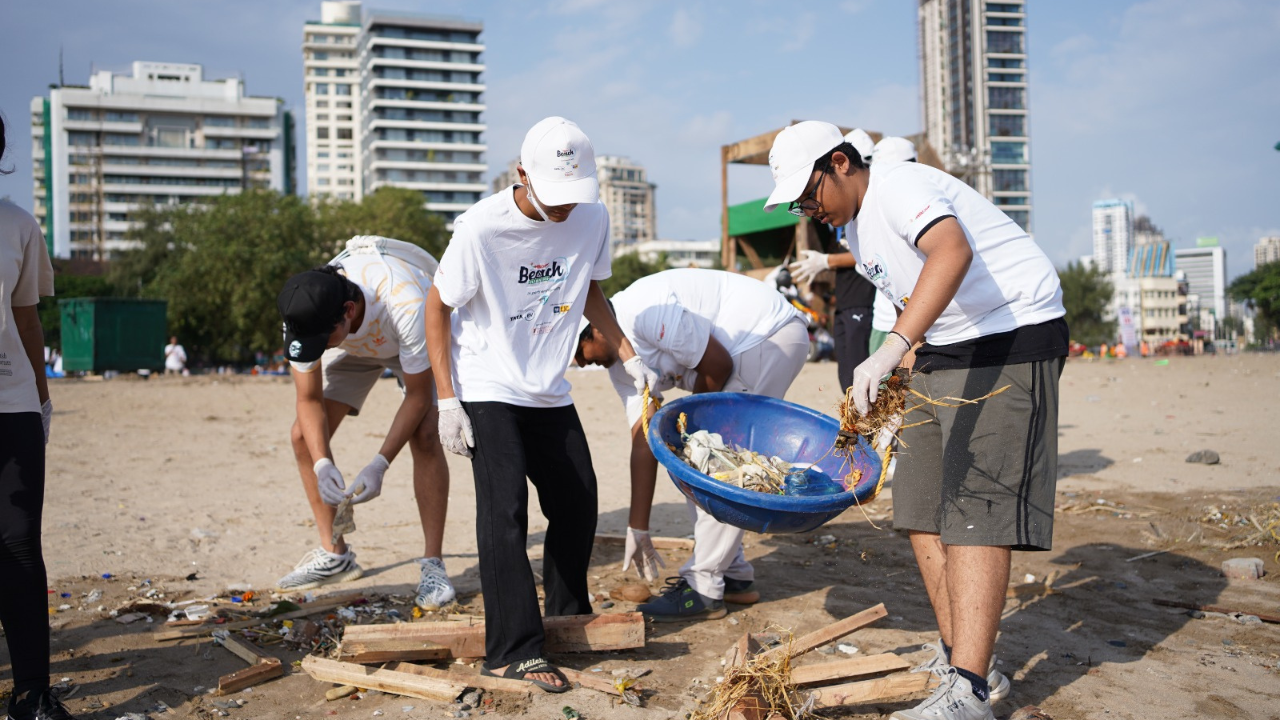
(560, 309)
(540, 273)
(543, 328)
(521, 316)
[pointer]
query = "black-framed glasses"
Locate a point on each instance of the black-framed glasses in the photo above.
(808, 204)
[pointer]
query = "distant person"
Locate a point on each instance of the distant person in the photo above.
(25, 414)
(175, 358)
(344, 324)
(985, 305)
(894, 149)
(702, 331)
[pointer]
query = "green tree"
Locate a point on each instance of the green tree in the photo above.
(388, 211)
(1260, 289)
(629, 268)
(1086, 294)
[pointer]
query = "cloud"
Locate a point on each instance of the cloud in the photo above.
(800, 32)
(853, 7)
(685, 28)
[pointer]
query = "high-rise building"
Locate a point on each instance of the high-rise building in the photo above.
(160, 135)
(1112, 235)
(331, 73)
(1266, 251)
(973, 72)
(416, 87)
(628, 194)
(1205, 267)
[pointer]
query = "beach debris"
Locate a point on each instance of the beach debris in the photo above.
(183, 629)
(340, 692)
(344, 519)
(464, 637)
(128, 618)
(708, 453)
(1206, 457)
(1032, 712)
(632, 592)
(262, 667)
(1195, 608)
(1243, 568)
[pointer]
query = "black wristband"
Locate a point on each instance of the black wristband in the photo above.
(904, 337)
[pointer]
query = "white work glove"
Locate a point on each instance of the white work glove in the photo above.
(809, 264)
(885, 437)
(329, 482)
(866, 377)
(456, 434)
(643, 376)
(46, 416)
(640, 549)
(371, 479)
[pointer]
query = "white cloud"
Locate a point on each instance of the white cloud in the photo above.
(797, 34)
(685, 28)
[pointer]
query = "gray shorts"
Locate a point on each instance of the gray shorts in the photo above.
(349, 378)
(984, 473)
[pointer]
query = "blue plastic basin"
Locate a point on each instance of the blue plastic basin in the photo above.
(770, 427)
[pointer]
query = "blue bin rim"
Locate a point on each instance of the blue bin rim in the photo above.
(686, 473)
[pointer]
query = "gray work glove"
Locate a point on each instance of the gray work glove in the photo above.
(456, 434)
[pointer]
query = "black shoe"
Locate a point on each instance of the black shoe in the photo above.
(38, 706)
(681, 602)
(740, 592)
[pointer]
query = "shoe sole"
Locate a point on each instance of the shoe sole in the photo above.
(433, 607)
(750, 597)
(353, 574)
(1000, 688)
(708, 615)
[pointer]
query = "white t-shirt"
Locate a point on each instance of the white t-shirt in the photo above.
(1011, 282)
(519, 286)
(395, 294)
(670, 316)
(175, 357)
(25, 276)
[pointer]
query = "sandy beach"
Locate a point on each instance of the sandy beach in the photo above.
(170, 478)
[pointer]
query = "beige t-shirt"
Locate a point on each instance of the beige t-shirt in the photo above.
(25, 276)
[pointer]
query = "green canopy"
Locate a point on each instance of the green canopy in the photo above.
(750, 217)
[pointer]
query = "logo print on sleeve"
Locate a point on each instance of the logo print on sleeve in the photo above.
(553, 271)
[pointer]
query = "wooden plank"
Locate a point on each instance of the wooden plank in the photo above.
(590, 681)
(565, 633)
(473, 679)
(832, 632)
(250, 676)
(847, 669)
(311, 608)
(391, 681)
(391, 649)
(661, 543)
(865, 691)
(244, 649)
(1264, 617)
(741, 651)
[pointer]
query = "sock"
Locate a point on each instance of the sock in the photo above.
(980, 687)
(946, 649)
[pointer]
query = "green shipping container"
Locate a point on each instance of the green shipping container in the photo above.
(119, 334)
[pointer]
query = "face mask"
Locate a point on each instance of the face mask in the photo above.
(533, 201)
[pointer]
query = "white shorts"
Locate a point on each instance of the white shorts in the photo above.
(349, 378)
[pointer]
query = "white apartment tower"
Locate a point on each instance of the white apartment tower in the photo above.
(1205, 267)
(1112, 235)
(415, 84)
(973, 71)
(1266, 251)
(161, 135)
(332, 86)
(626, 191)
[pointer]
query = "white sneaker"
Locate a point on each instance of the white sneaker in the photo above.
(941, 662)
(321, 567)
(952, 700)
(434, 589)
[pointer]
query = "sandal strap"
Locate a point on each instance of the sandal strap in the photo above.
(533, 665)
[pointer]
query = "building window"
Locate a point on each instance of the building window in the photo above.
(1005, 21)
(1006, 77)
(320, 55)
(81, 139)
(999, 41)
(1007, 98)
(1003, 8)
(1009, 180)
(117, 139)
(322, 181)
(1008, 125)
(344, 133)
(219, 121)
(79, 114)
(1008, 153)
(322, 88)
(258, 123)
(342, 89)
(171, 137)
(1005, 63)
(1010, 200)
(122, 117)
(322, 133)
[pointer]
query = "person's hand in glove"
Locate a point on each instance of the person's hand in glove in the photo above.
(456, 434)
(329, 481)
(640, 550)
(809, 264)
(866, 377)
(888, 432)
(642, 375)
(46, 416)
(370, 479)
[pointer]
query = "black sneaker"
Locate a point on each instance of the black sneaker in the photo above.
(679, 602)
(740, 592)
(38, 706)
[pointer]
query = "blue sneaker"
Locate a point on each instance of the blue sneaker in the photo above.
(679, 601)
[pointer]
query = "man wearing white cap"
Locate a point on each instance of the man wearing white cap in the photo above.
(702, 331)
(521, 270)
(985, 300)
(894, 149)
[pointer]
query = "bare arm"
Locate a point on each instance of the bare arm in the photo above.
(414, 407)
(439, 342)
(841, 260)
(598, 314)
(27, 320)
(714, 369)
(947, 259)
(644, 475)
(309, 387)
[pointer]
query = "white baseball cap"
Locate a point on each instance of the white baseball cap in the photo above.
(791, 159)
(894, 149)
(861, 142)
(559, 158)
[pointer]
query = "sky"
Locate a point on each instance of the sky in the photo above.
(1174, 104)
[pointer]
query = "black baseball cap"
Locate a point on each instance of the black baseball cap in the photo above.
(311, 305)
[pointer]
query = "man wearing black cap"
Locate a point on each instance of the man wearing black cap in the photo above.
(353, 319)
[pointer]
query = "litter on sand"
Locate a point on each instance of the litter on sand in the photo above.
(708, 453)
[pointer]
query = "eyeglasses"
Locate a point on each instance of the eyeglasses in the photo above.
(809, 204)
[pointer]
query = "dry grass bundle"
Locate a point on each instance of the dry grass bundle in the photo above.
(759, 686)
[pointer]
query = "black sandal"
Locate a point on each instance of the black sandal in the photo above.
(522, 669)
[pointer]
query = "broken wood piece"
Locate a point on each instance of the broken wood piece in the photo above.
(751, 706)
(592, 682)
(340, 692)
(564, 633)
(389, 681)
(660, 543)
(390, 649)
(1029, 712)
(847, 669)
(831, 633)
(865, 691)
(1264, 617)
(305, 609)
(473, 680)
(741, 651)
(262, 667)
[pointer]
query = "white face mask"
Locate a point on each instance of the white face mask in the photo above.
(533, 201)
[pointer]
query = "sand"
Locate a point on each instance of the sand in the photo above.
(159, 479)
